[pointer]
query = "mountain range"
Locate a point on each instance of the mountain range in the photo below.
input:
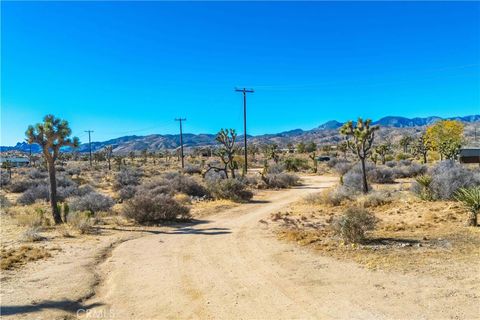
(323, 133)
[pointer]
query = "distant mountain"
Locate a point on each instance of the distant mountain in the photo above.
(325, 133)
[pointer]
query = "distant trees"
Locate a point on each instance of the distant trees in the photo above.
(359, 139)
(382, 150)
(271, 152)
(226, 152)
(405, 142)
(343, 148)
(108, 150)
(445, 137)
(301, 147)
(51, 135)
(421, 147)
(310, 147)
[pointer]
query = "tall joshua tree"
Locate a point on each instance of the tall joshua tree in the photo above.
(359, 139)
(51, 135)
(227, 151)
(108, 155)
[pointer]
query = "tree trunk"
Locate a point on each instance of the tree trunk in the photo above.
(472, 219)
(53, 193)
(109, 166)
(364, 174)
(425, 157)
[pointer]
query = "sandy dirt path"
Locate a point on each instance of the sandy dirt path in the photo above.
(230, 266)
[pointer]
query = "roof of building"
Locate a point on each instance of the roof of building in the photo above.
(470, 152)
(14, 159)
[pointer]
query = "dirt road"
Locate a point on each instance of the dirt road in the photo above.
(230, 266)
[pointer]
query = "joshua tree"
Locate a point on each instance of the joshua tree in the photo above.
(145, 156)
(131, 154)
(271, 152)
(382, 150)
(313, 156)
(421, 147)
(405, 143)
(343, 148)
(310, 147)
(118, 160)
(51, 135)
(8, 166)
(108, 155)
(359, 139)
(227, 150)
(301, 147)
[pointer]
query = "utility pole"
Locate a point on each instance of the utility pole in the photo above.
(245, 91)
(181, 138)
(90, 145)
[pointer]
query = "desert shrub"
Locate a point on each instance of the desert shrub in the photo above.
(32, 234)
(63, 181)
(38, 192)
(74, 171)
(127, 192)
(409, 171)
(449, 176)
(4, 204)
(353, 224)
(353, 181)
(391, 164)
(402, 156)
(33, 217)
(276, 168)
(127, 177)
(405, 162)
(280, 180)
(331, 197)
(295, 164)
(422, 187)
(80, 221)
(342, 167)
(232, 189)
(185, 184)
(4, 178)
(91, 202)
(147, 209)
(37, 174)
(375, 199)
(192, 169)
(20, 185)
(470, 198)
(213, 176)
(381, 175)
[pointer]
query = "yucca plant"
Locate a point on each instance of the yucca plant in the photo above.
(470, 198)
(424, 182)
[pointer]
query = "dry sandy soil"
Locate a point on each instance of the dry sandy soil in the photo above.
(229, 265)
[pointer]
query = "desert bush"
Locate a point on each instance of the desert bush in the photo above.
(192, 169)
(32, 234)
(470, 198)
(127, 192)
(37, 192)
(275, 168)
(33, 217)
(147, 209)
(391, 164)
(405, 162)
(380, 175)
(280, 180)
(295, 164)
(448, 177)
(422, 187)
(185, 184)
(91, 202)
(232, 189)
(80, 221)
(74, 171)
(63, 181)
(4, 178)
(213, 176)
(375, 199)
(353, 181)
(409, 171)
(37, 174)
(127, 177)
(353, 224)
(342, 167)
(331, 197)
(20, 185)
(4, 204)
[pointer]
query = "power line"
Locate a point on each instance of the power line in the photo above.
(90, 145)
(245, 91)
(181, 138)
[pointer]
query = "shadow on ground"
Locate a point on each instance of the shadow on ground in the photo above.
(65, 305)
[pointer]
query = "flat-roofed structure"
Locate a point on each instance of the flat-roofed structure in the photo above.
(469, 155)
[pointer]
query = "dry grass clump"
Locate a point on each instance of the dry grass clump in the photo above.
(16, 257)
(81, 221)
(375, 199)
(330, 197)
(36, 217)
(32, 234)
(353, 224)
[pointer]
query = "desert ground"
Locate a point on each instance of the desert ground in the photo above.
(228, 263)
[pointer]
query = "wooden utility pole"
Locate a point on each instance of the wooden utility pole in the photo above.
(245, 91)
(90, 145)
(181, 139)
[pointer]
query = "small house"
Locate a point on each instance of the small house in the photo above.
(15, 161)
(469, 155)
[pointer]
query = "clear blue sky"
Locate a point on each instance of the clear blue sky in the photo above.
(131, 68)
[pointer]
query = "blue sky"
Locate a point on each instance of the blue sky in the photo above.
(131, 68)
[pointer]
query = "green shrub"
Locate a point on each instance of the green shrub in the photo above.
(232, 189)
(353, 224)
